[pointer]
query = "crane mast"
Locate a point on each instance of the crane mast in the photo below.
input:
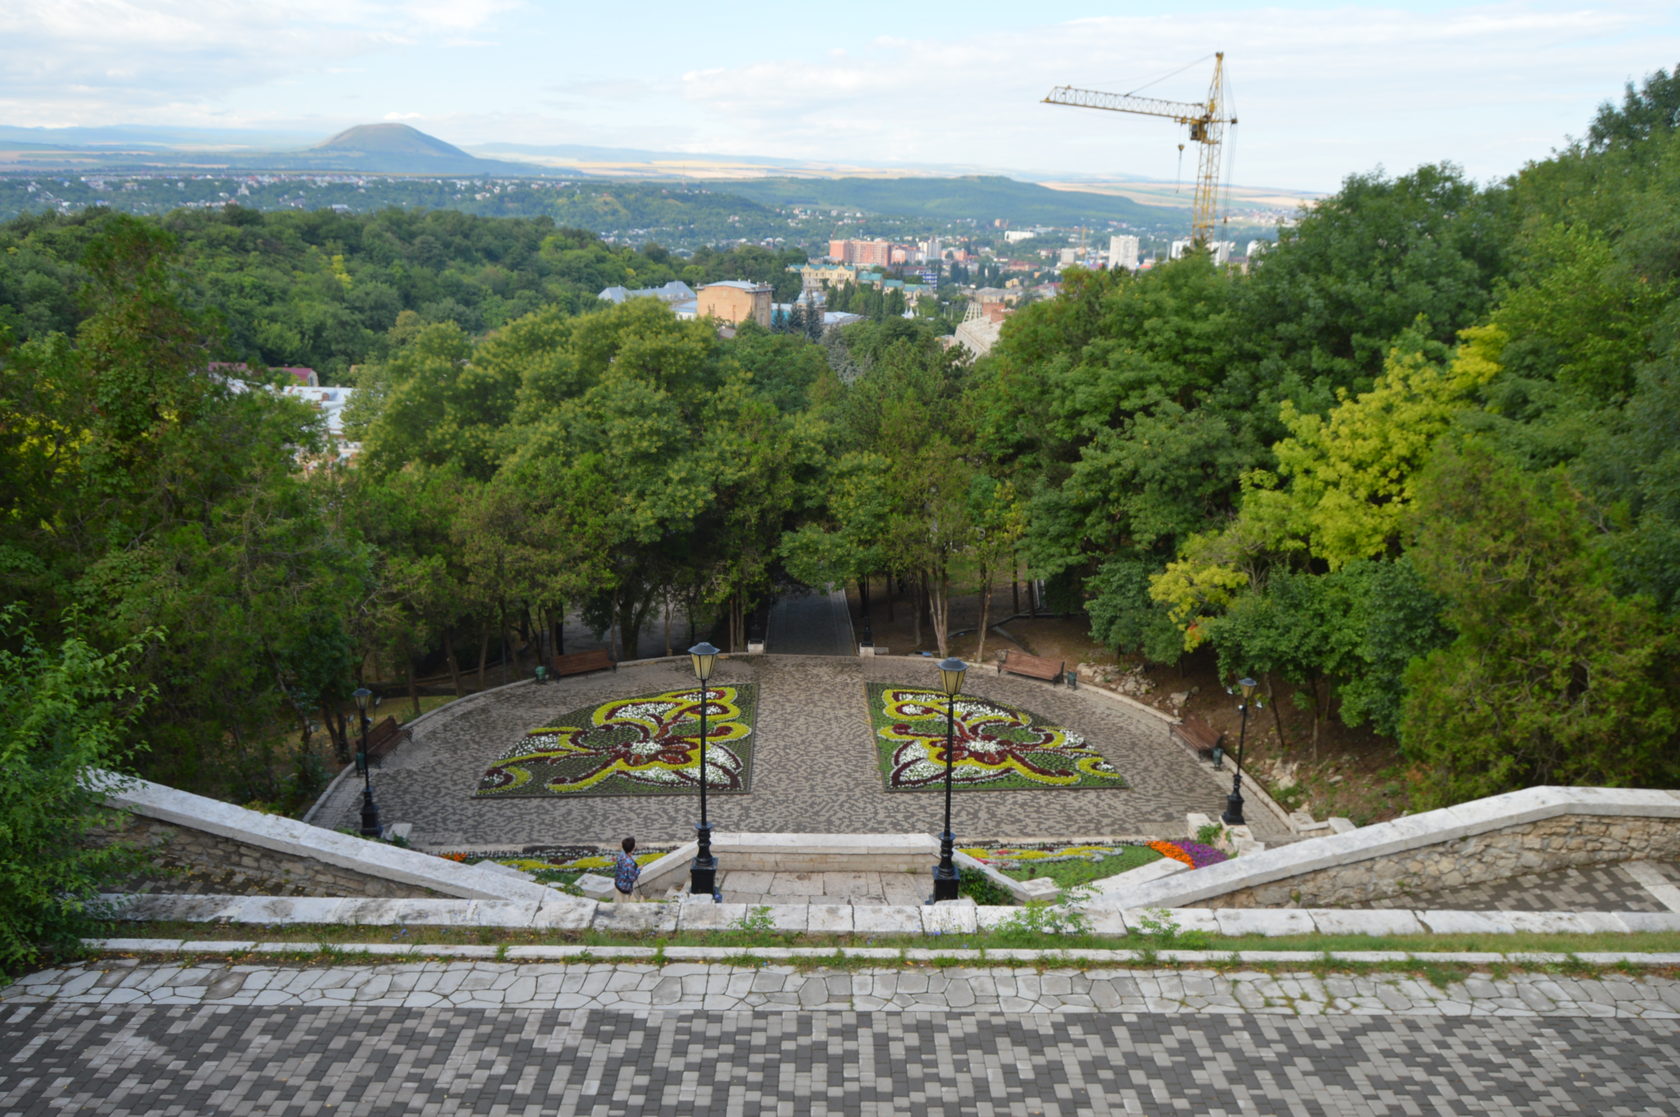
(1206, 121)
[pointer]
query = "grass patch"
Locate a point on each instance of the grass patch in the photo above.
(1072, 873)
(313, 939)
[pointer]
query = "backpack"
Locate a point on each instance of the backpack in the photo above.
(625, 874)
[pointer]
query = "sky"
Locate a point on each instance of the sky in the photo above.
(1320, 90)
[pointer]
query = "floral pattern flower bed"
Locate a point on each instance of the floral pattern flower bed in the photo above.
(646, 745)
(997, 746)
(561, 859)
(1011, 859)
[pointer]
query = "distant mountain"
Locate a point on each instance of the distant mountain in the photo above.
(391, 140)
(395, 149)
(364, 149)
(973, 197)
(150, 137)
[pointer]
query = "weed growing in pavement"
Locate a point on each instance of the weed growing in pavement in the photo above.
(756, 921)
(1442, 975)
(1571, 966)
(1064, 916)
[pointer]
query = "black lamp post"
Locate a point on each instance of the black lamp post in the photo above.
(1233, 815)
(945, 879)
(370, 809)
(702, 875)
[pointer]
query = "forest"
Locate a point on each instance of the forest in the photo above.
(1417, 467)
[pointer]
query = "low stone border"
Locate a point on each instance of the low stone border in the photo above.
(973, 958)
(566, 913)
(828, 853)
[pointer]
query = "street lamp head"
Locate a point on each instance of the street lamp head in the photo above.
(361, 694)
(1247, 686)
(951, 672)
(704, 658)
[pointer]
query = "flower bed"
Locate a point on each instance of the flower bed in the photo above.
(646, 745)
(1193, 854)
(995, 746)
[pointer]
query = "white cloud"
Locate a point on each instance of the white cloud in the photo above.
(74, 61)
(1321, 93)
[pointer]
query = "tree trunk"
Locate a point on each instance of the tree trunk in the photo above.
(1320, 710)
(483, 651)
(413, 690)
(939, 611)
(1277, 714)
(667, 624)
(502, 634)
(1015, 581)
(453, 664)
(915, 614)
(863, 595)
(335, 730)
(985, 614)
(889, 597)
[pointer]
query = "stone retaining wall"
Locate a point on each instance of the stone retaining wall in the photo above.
(1481, 842)
(1572, 841)
(197, 862)
(248, 845)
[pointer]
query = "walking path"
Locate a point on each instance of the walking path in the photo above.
(120, 1037)
(815, 766)
(812, 623)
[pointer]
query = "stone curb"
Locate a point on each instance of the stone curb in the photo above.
(1063, 959)
(564, 912)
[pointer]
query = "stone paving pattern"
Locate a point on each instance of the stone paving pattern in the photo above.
(815, 765)
(596, 1039)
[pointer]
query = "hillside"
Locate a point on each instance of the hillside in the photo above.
(969, 197)
(389, 139)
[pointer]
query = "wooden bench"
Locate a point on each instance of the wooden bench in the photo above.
(1201, 737)
(384, 737)
(581, 663)
(1035, 666)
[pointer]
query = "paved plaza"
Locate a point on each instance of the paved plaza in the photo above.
(814, 765)
(497, 1038)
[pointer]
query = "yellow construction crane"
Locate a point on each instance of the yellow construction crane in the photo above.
(1207, 127)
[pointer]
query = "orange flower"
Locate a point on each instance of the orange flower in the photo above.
(1172, 850)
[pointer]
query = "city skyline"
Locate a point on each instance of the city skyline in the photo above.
(1322, 91)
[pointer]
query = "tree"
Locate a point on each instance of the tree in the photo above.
(65, 712)
(1327, 303)
(1651, 111)
(1551, 677)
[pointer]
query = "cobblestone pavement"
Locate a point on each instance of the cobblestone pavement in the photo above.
(595, 1039)
(812, 623)
(814, 765)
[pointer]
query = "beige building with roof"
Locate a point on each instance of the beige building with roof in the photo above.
(735, 301)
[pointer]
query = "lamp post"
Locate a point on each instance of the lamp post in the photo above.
(1233, 815)
(702, 875)
(945, 879)
(370, 809)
